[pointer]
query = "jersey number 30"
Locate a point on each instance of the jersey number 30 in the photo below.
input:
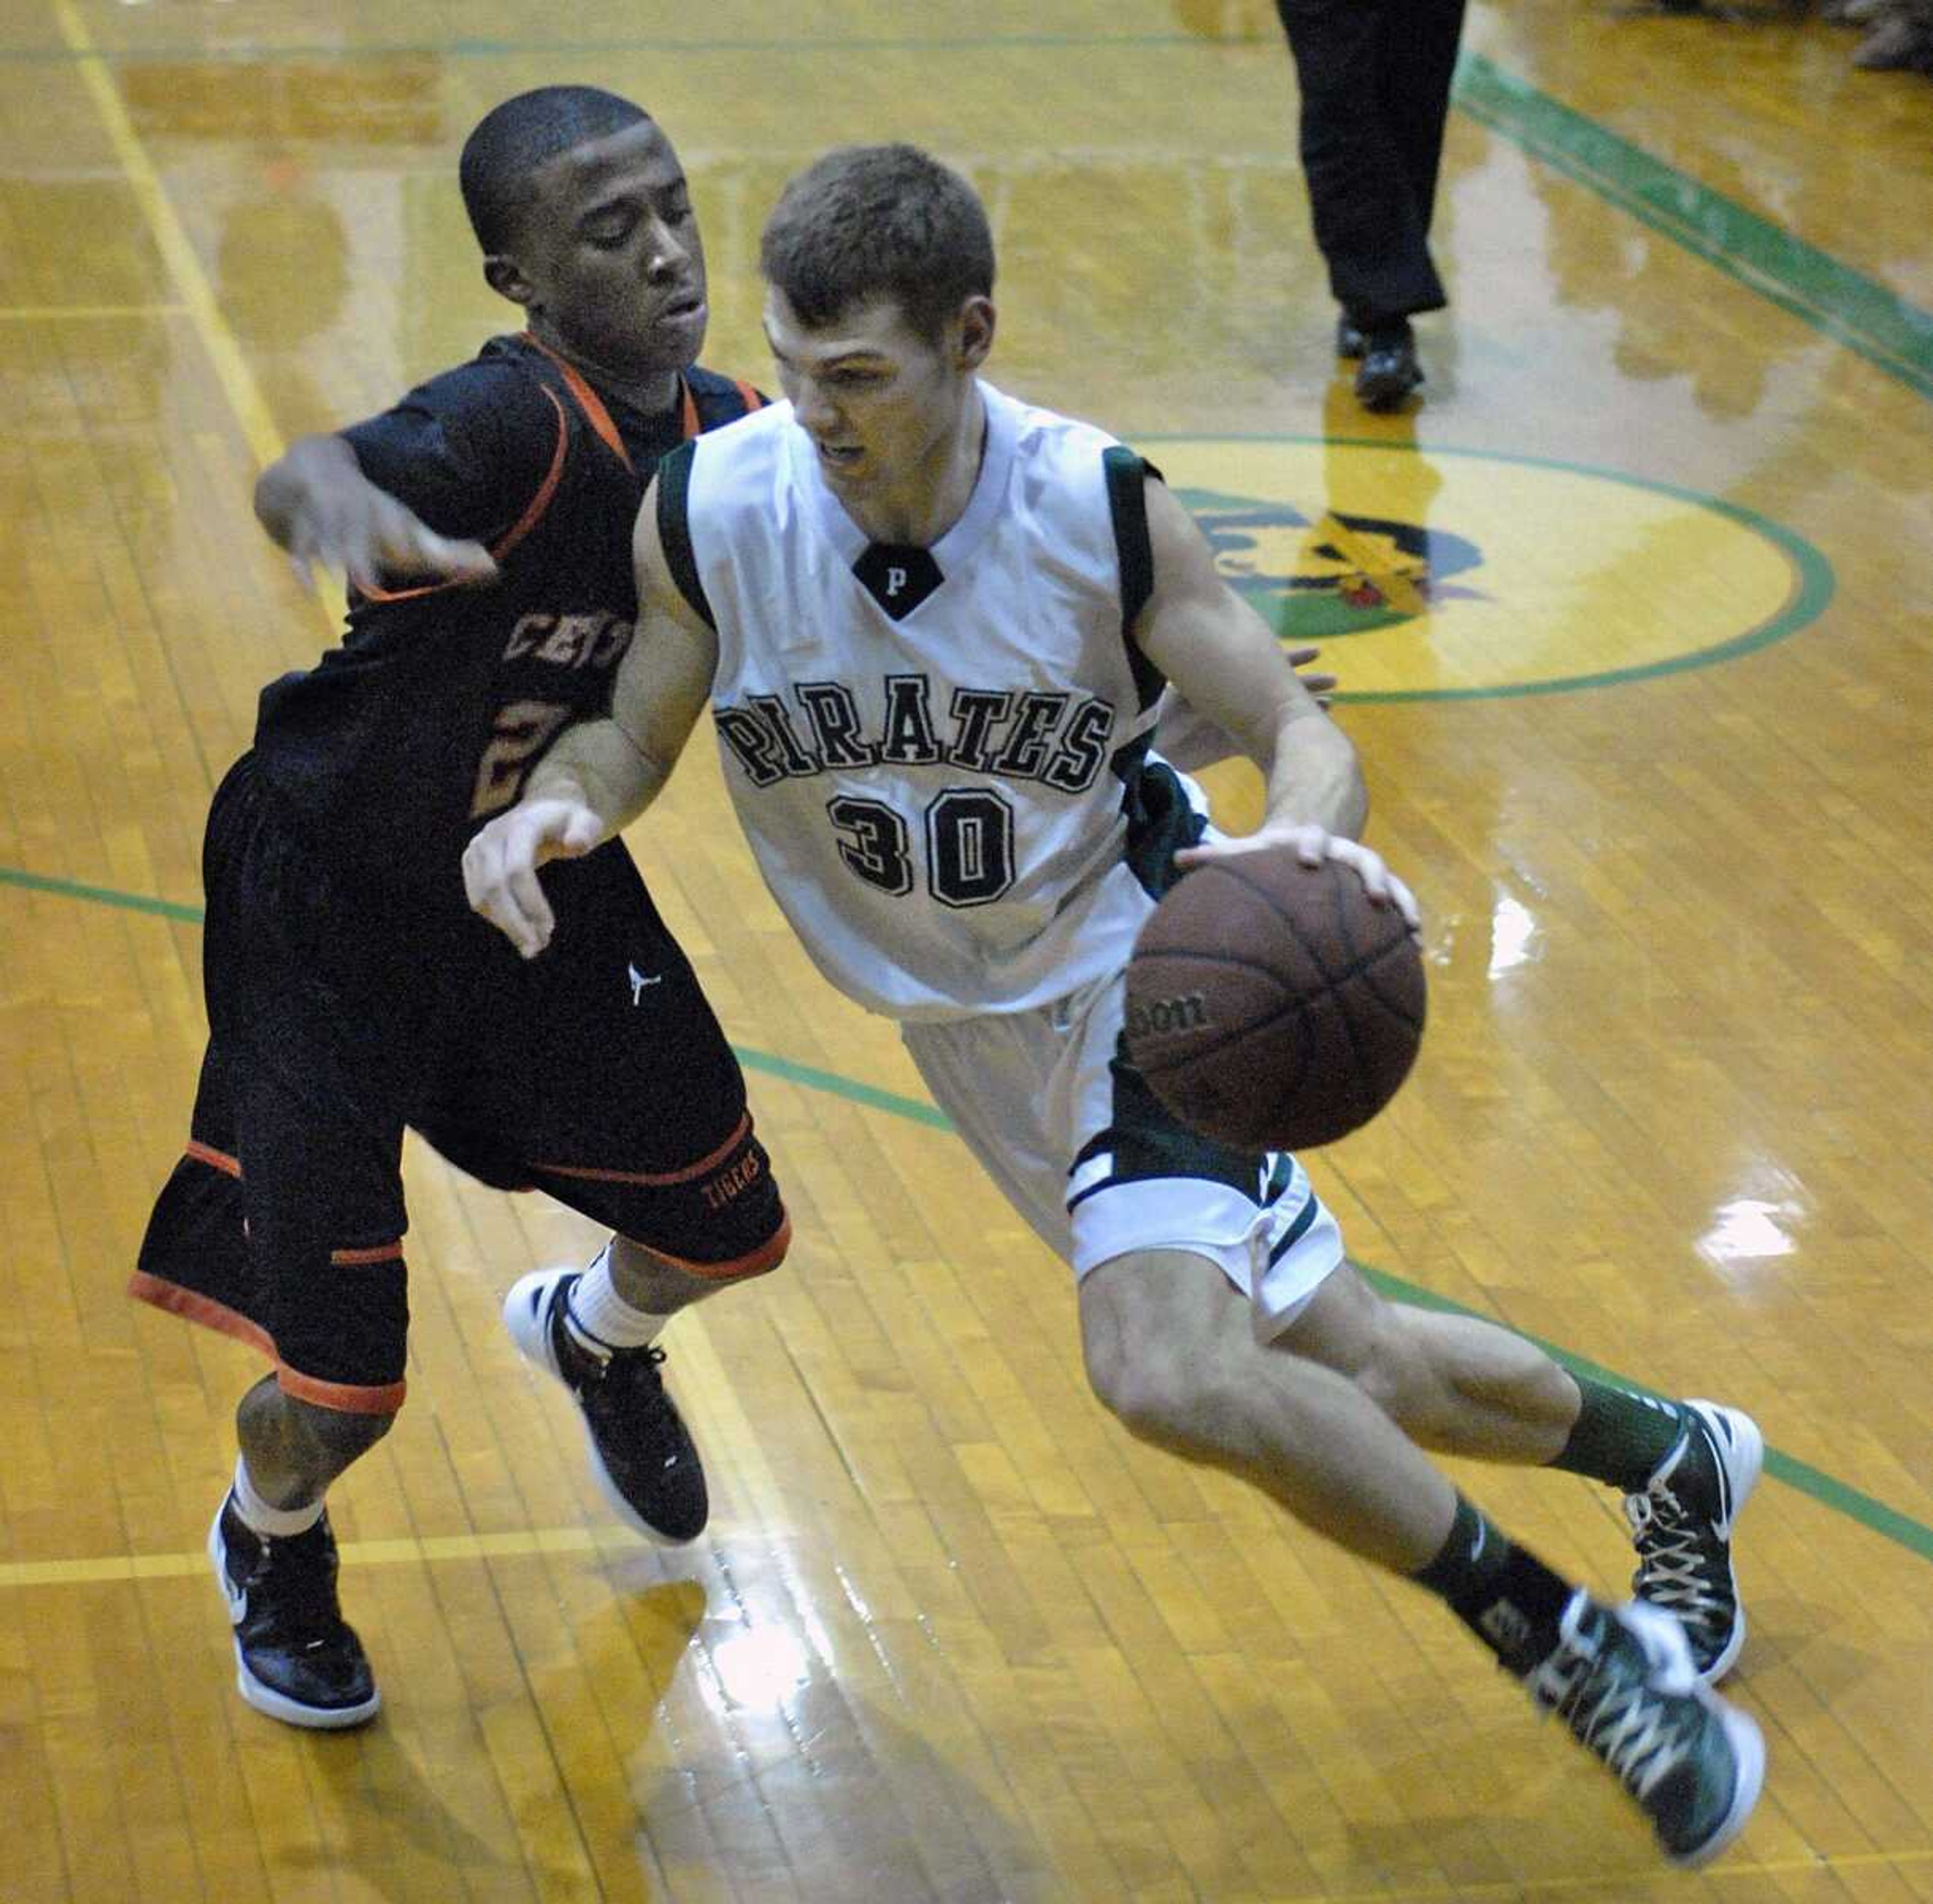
(969, 845)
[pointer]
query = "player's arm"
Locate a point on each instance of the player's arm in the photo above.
(1220, 657)
(315, 501)
(600, 775)
(1185, 737)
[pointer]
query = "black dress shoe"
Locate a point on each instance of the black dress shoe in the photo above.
(1350, 341)
(1389, 370)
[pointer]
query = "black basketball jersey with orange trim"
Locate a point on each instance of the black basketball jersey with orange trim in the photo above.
(426, 719)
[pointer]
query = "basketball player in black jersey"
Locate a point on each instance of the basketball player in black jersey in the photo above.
(485, 526)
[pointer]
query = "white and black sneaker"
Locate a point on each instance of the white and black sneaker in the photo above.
(641, 1455)
(296, 1660)
(1682, 1525)
(1622, 1679)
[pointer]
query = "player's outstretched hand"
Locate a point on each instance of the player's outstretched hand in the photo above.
(367, 535)
(1313, 846)
(500, 866)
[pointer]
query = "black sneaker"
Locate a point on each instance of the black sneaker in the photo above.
(1682, 1525)
(641, 1453)
(1622, 1679)
(296, 1659)
(1389, 370)
(1350, 339)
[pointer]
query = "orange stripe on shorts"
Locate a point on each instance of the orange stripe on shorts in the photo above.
(586, 1174)
(767, 1256)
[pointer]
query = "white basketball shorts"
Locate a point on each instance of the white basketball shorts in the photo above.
(1083, 1149)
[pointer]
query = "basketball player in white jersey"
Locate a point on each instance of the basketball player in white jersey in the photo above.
(932, 624)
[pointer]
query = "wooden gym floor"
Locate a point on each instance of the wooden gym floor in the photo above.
(1634, 612)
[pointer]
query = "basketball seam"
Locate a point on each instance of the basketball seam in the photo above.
(1357, 968)
(1268, 899)
(1366, 971)
(1255, 1028)
(1361, 964)
(1344, 937)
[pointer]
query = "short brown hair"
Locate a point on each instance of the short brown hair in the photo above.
(867, 221)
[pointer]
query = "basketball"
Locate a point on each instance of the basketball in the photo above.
(1270, 1005)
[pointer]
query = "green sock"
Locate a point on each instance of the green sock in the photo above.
(1619, 1437)
(1503, 1593)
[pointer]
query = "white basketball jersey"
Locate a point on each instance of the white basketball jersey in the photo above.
(939, 756)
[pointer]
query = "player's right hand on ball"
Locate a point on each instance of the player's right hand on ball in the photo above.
(375, 541)
(500, 866)
(1383, 887)
(1313, 845)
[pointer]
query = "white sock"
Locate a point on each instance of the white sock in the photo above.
(600, 1319)
(277, 1523)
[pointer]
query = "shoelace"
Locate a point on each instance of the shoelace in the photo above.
(629, 1367)
(584, 1367)
(1672, 1570)
(1614, 1710)
(627, 1385)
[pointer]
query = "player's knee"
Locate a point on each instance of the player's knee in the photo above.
(661, 1280)
(1162, 1393)
(303, 1444)
(337, 1436)
(1148, 1326)
(761, 1259)
(774, 1250)
(1183, 1407)
(1154, 1399)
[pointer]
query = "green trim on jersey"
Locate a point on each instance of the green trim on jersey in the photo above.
(1148, 1143)
(674, 529)
(1126, 476)
(1160, 820)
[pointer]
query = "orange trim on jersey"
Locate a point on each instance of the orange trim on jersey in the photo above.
(690, 423)
(353, 1259)
(541, 501)
(524, 523)
(767, 1256)
(216, 1159)
(589, 402)
(587, 1175)
(193, 1308)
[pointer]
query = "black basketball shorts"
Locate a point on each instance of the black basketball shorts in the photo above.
(596, 1073)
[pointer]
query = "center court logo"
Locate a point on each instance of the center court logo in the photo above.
(1434, 574)
(1318, 579)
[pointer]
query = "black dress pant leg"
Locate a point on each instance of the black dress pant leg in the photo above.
(1375, 79)
(1418, 67)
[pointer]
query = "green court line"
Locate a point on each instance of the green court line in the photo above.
(1833, 297)
(914, 1109)
(37, 882)
(1875, 1516)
